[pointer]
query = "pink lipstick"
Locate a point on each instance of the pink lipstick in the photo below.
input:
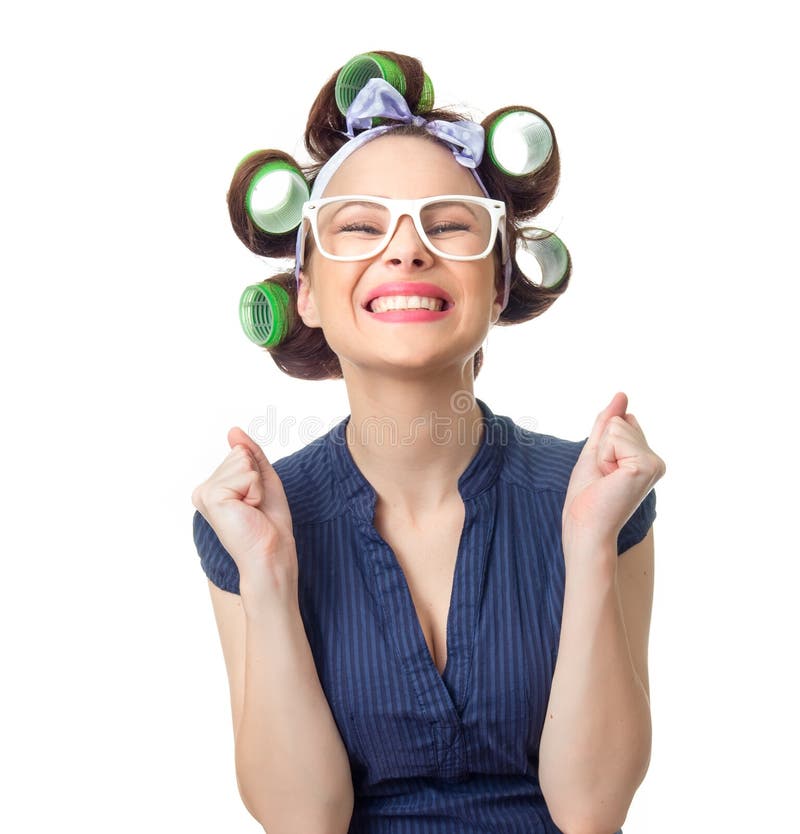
(409, 288)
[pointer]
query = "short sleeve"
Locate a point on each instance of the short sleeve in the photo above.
(638, 524)
(217, 563)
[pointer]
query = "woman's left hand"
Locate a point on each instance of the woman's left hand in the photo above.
(614, 471)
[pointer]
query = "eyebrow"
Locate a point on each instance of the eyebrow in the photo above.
(466, 203)
(346, 201)
(345, 204)
(469, 206)
(359, 202)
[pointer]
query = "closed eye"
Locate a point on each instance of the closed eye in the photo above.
(446, 227)
(364, 228)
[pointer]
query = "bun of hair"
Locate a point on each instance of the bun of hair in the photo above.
(254, 238)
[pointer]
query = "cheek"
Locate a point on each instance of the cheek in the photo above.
(491, 277)
(497, 258)
(331, 285)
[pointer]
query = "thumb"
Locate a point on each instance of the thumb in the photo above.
(238, 437)
(616, 408)
(273, 500)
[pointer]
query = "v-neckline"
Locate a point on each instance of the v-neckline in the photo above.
(452, 594)
(442, 694)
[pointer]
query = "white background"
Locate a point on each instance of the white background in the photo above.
(124, 366)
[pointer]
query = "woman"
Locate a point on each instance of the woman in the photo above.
(432, 619)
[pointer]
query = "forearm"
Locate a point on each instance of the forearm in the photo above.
(291, 764)
(595, 746)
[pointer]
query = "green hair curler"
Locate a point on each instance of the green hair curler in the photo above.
(275, 197)
(425, 102)
(264, 313)
(542, 257)
(357, 71)
(519, 142)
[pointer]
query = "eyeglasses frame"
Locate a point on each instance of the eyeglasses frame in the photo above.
(412, 209)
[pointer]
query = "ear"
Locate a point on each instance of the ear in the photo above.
(306, 305)
(497, 309)
(497, 304)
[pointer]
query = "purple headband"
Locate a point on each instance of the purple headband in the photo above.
(377, 98)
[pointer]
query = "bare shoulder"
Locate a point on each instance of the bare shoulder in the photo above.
(635, 568)
(231, 624)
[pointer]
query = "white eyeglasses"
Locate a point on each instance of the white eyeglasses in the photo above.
(358, 227)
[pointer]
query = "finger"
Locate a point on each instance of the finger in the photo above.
(239, 458)
(238, 437)
(618, 404)
(230, 481)
(244, 485)
(608, 451)
(616, 408)
(256, 452)
(632, 421)
(274, 498)
(623, 445)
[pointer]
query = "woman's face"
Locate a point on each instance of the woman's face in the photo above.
(335, 295)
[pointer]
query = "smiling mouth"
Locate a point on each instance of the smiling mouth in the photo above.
(384, 303)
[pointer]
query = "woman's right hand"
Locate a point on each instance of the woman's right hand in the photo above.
(244, 502)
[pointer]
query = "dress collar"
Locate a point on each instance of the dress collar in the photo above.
(480, 474)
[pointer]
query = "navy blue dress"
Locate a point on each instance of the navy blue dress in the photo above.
(431, 753)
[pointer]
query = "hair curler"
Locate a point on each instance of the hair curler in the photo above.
(264, 312)
(542, 257)
(519, 142)
(357, 71)
(275, 197)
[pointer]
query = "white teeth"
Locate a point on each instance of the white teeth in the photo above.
(405, 302)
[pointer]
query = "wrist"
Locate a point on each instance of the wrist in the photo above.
(268, 591)
(596, 559)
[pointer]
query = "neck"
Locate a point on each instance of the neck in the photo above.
(413, 438)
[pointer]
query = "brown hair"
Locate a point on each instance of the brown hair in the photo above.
(304, 353)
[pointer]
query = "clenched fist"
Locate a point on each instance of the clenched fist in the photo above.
(244, 502)
(614, 472)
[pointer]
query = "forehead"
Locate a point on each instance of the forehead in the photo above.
(403, 167)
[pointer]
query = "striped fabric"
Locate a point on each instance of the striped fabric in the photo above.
(432, 753)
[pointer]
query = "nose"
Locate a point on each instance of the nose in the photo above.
(405, 247)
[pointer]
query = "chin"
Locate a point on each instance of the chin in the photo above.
(411, 357)
(416, 366)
